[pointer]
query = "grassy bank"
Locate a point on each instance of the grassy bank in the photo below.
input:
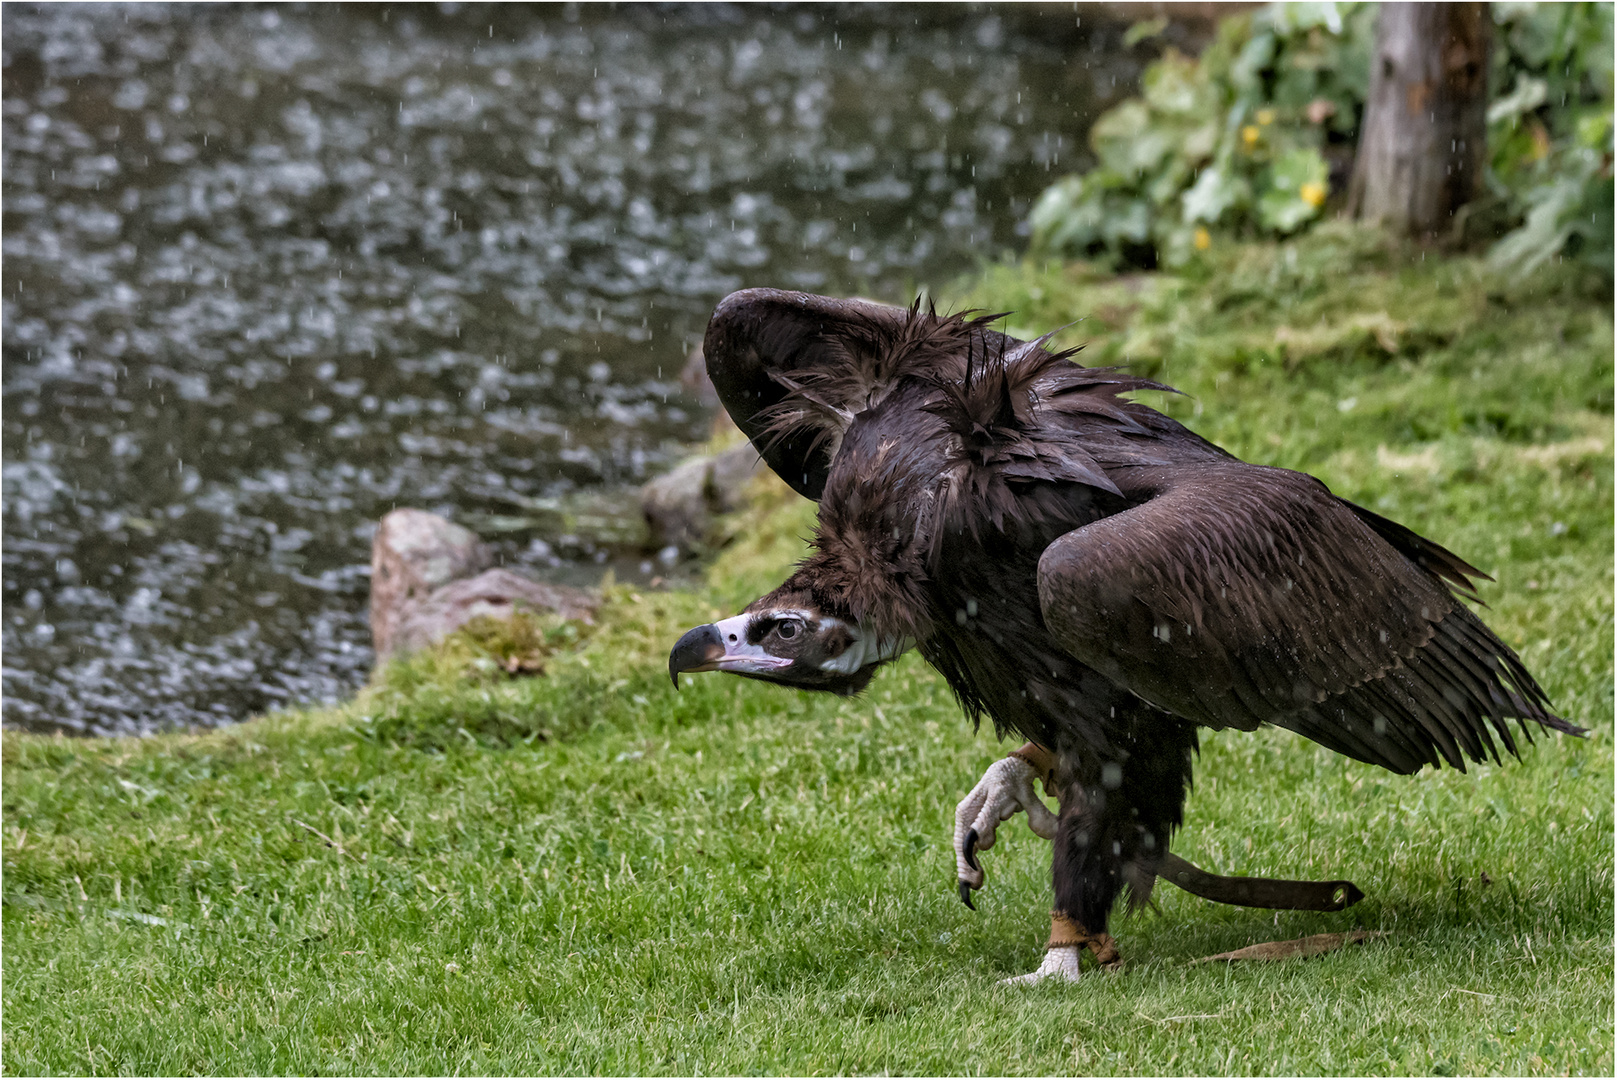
(587, 872)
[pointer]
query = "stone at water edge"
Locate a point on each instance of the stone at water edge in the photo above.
(498, 592)
(680, 505)
(693, 377)
(413, 553)
(429, 576)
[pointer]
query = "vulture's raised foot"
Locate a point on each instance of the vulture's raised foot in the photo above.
(1006, 788)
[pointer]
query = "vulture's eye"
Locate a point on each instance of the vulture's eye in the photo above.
(788, 628)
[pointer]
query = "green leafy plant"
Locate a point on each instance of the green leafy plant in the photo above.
(1253, 137)
(1245, 139)
(1550, 133)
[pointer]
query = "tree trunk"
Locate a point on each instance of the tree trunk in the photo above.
(1424, 142)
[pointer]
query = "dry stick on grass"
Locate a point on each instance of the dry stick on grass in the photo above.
(1177, 1019)
(1286, 950)
(329, 841)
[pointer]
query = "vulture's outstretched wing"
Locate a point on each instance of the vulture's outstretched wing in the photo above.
(1240, 595)
(763, 343)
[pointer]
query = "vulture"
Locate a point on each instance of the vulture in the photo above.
(1093, 577)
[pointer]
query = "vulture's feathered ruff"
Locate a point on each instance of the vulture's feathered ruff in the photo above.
(1086, 572)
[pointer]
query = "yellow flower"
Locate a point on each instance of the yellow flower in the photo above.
(1204, 239)
(1249, 135)
(1266, 116)
(1313, 193)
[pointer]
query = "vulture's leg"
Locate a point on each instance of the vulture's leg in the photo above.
(1086, 884)
(1005, 788)
(1115, 823)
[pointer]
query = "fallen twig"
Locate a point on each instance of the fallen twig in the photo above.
(1286, 950)
(330, 843)
(1175, 1019)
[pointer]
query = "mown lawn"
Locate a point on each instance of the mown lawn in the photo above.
(589, 873)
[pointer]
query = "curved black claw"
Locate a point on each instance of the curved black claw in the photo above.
(971, 850)
(965, 896)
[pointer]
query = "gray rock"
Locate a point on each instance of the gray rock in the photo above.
(498, 592)
(680, 505)
(429, 576)
(413, 553)
(694, 378)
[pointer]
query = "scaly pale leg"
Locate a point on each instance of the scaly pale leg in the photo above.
(1062, 953)
(1060, 963)
(1005, 789)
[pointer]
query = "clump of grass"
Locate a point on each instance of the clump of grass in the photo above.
(487, 648)
(516, 645)
(462, 687)
(586, 871)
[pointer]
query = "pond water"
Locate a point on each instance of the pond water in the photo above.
(270, 272)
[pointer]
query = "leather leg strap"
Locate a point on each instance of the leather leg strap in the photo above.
(1259, 892)
(1065, 931)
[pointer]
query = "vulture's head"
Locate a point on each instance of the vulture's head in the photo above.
(783, 364)
(787, 638)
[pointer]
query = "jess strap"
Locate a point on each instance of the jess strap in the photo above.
(1259, 892)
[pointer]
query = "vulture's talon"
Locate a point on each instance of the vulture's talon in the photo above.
(965, 895)
(1005, 789)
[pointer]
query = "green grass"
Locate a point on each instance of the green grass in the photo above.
(589, 873)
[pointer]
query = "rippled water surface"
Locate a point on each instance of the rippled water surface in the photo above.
(269, 272)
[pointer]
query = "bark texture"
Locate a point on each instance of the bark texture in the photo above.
(1424, 143)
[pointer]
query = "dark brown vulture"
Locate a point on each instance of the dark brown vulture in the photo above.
(1089, 574)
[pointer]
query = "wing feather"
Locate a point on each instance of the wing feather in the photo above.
(792, 368)
(1236, 595)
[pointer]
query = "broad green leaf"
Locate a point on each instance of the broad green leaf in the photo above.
(1296, 168)
(1214, 192)
(1543, 234)
(1297, 188)
(1171, 84)
(1529, 94)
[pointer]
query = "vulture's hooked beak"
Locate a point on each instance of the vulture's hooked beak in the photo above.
(722, 646)
(697, 650)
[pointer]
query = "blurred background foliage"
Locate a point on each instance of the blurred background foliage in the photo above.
(1256, 136)
(1550, 132)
